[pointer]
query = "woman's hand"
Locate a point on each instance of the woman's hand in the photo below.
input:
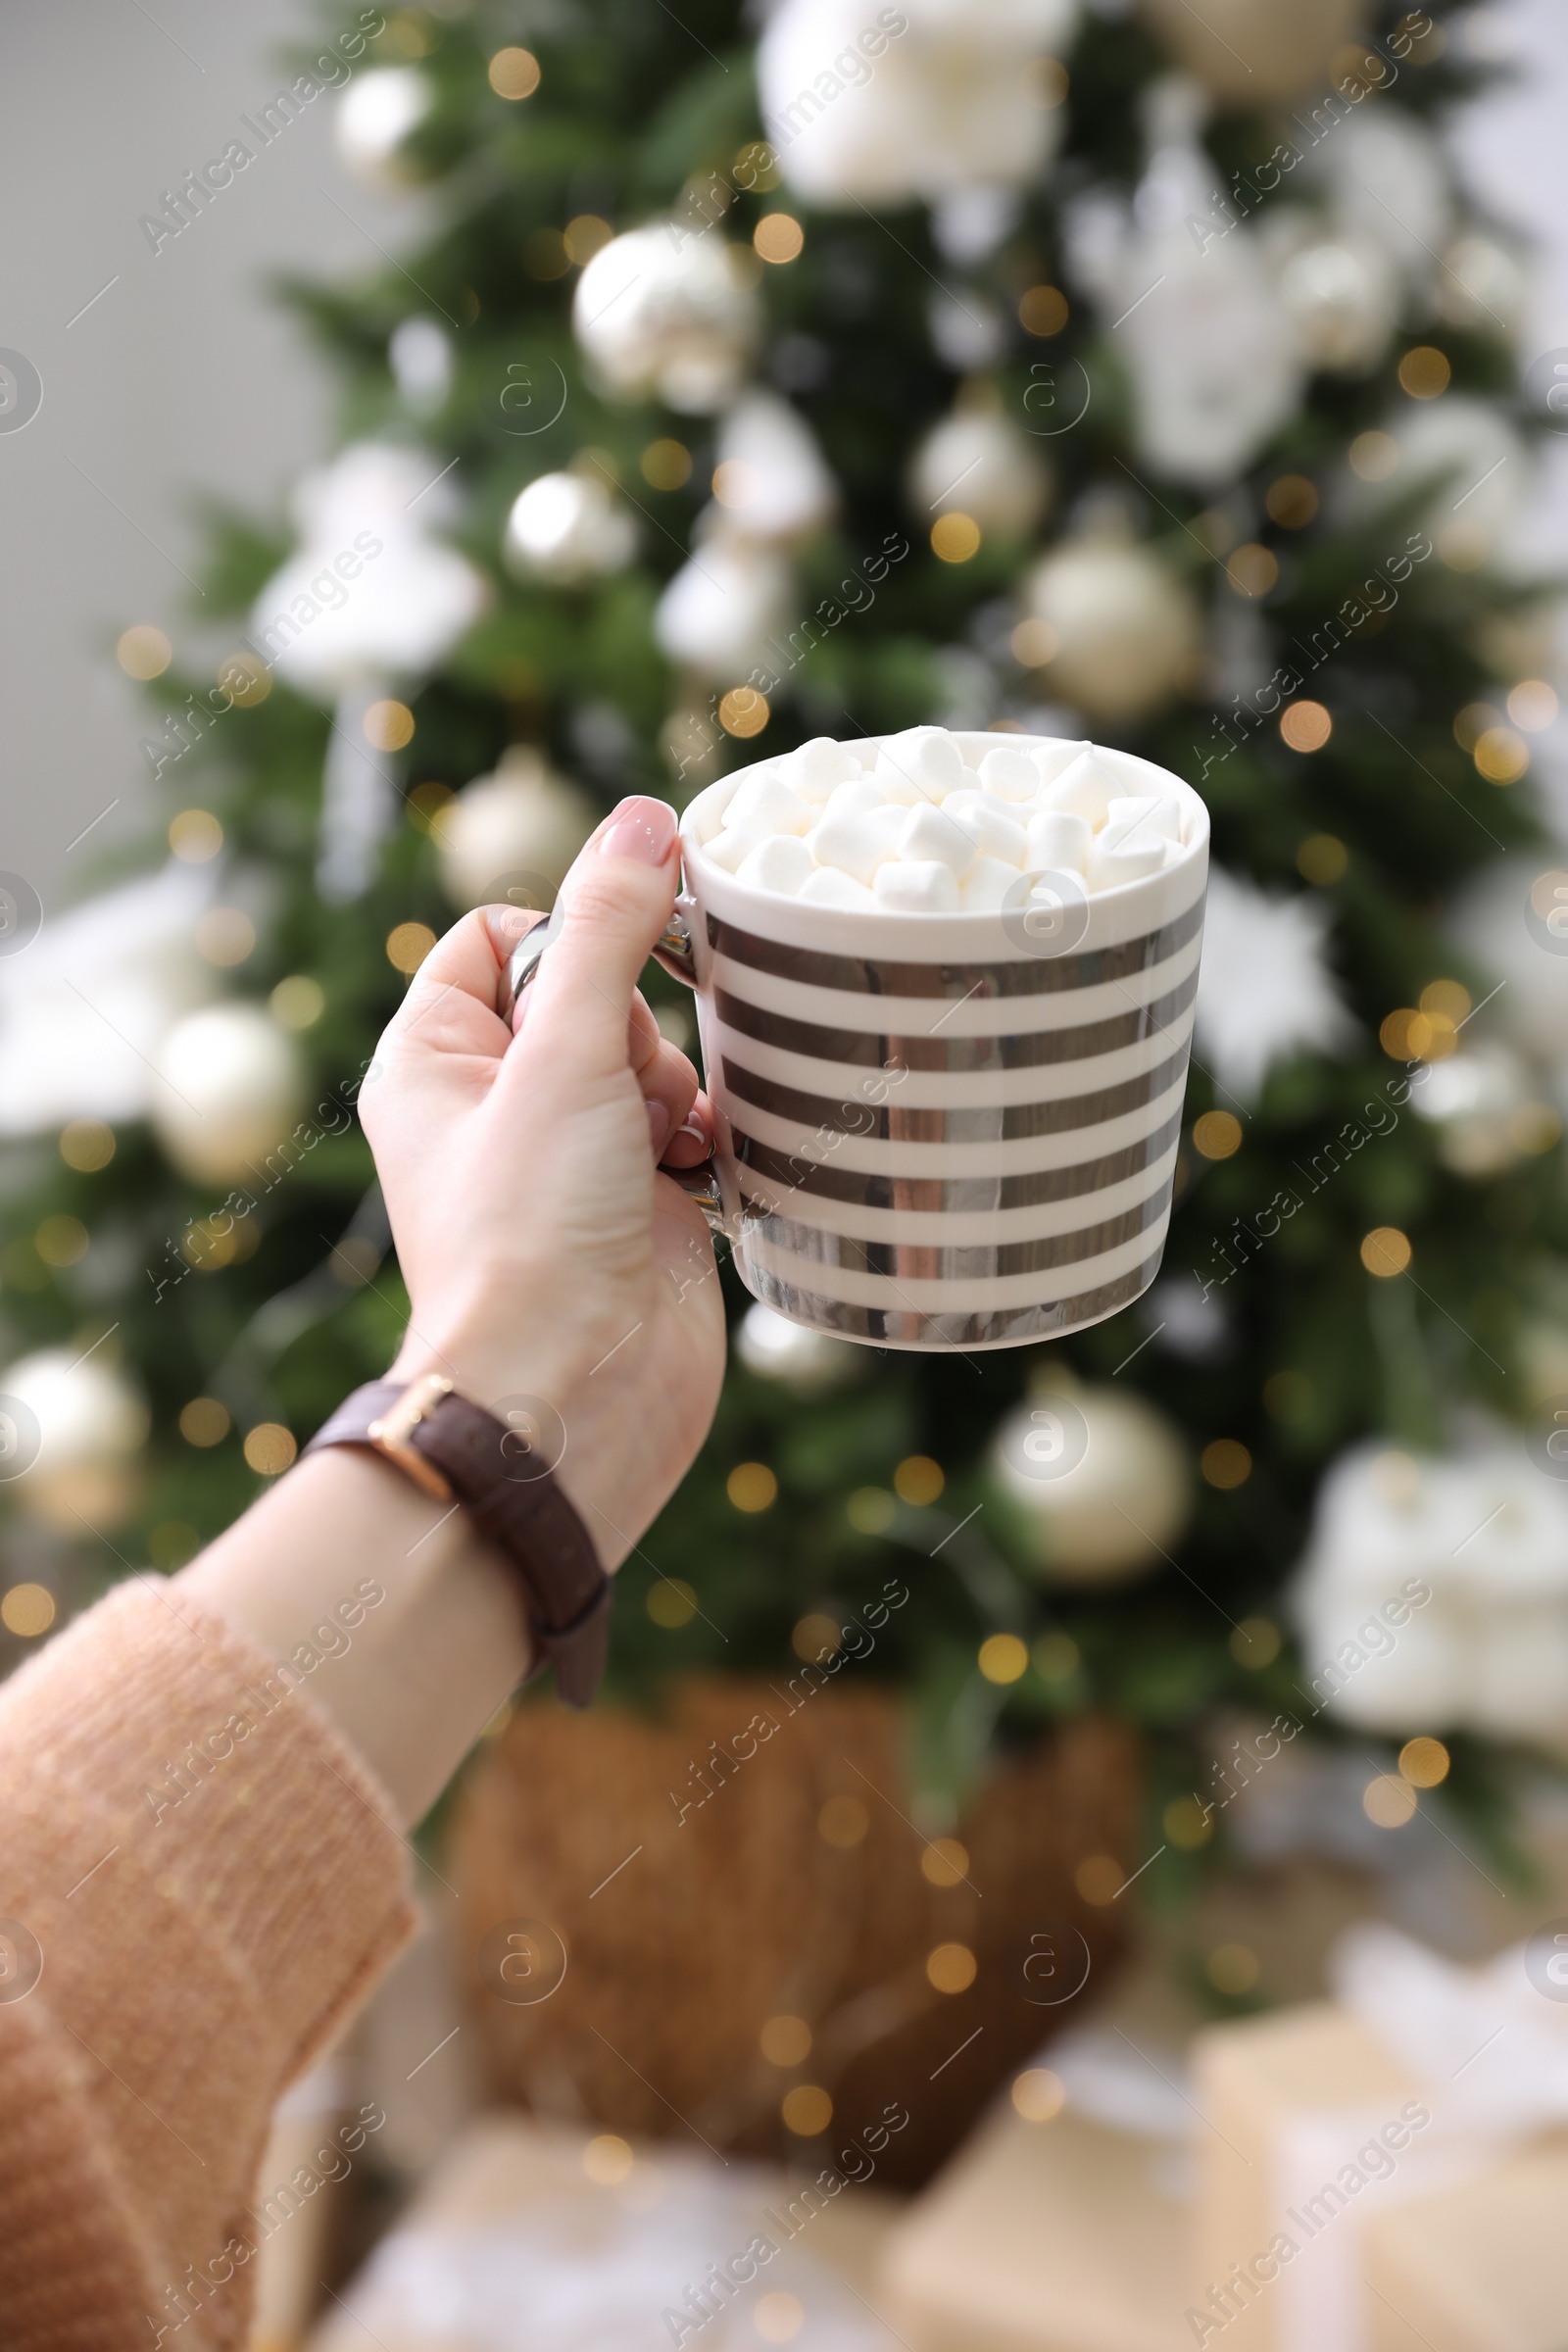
(552, 1273)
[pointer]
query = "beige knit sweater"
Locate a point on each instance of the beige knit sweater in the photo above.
(196, 1955)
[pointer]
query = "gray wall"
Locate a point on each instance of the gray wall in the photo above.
(181, 378)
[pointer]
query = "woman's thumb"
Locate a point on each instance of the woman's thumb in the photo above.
(618, 900)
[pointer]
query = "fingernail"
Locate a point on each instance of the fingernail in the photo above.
(641, 830)
(694, 1127)
(657, 1126)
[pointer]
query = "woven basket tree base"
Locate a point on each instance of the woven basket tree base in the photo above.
(799, 1888)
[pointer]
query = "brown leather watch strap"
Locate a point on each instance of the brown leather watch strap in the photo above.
(450, 1445)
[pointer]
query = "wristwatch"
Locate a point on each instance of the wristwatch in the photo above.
(456, 1452)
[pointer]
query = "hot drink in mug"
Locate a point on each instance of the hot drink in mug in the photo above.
(945, 989)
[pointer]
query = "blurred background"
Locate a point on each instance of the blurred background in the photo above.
(1119, 1855)
(194, 382)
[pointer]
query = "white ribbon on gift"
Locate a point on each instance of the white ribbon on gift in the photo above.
(1111, 2079)
(1490, 2061)
(1108, 2078)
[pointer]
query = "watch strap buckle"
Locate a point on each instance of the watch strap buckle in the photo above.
(392, 1433)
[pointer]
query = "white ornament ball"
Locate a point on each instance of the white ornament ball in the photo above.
(1515, 926)
(983, 466)
(771, 478)
(1254, 53)
(87, 1422)
(228, 1087)
(1103, 1478)
(1125, 627)
(808, 1362)
(568, 528)
(1483, 287)
(1482, 469)
(663, 310)
(1482, 1101)
(1341, 297)
(1389, 178)
(524, 823)
(723, 606)
(953, 98)
(375, 116)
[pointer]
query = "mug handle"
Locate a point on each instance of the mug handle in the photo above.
(674, 951)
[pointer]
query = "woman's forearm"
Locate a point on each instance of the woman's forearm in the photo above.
(195, 1856)
(545, 1259)
(411, 1678)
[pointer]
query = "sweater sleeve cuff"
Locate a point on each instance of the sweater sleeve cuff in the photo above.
(212, 1880)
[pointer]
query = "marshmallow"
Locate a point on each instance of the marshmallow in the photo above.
(703, 819)
(916, 886)
(926, 823)
(1052, 758)
(731, 850)
(827, 886)
(1153, 817)
(1086, 787)
(857, 845)
(928, 833)
(765, 803)
(987, 884)
(926, 756)
(1059, 843)
(782, 863)
(853, 798)
(1010, 775)
(902, 790)
(816, 767)
(991, 824)
(1110, 866)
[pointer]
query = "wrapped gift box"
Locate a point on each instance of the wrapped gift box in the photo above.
(533, 2237)
(1384, 2177)
(1286, 2100)
(1061, 2236)
(1481, 2269)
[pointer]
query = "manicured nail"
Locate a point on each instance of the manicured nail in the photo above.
(641, 828)
(657, 1125)
(688, 1146)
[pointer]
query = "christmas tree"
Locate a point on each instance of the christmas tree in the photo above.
(1000, 367)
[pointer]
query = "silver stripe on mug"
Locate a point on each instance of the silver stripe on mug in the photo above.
(986, 1326)
(1028, 976)
(980, 1125)
(978, 1262)
(1036, 1187)
(1028, 1049)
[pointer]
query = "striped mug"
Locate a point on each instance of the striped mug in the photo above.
(945, 1131)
